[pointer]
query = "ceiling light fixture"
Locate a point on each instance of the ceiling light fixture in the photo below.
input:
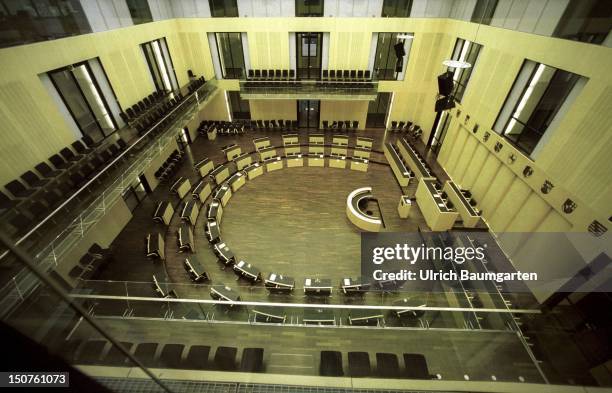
(405, 36)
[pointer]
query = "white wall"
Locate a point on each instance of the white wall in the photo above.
(106, 14)
(533, 16)
(353, 8)
(266, 8)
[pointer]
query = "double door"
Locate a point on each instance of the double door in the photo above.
(308, 113)
(309, 58)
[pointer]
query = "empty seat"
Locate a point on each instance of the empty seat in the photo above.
(387, 365)
(360, 74)
(359, 364)
(225, 358)
(58, 162)
(51, 199)
(291, 74)
(416, 366)
(285, 74)
(252, 360)
(145, 352)
(33, 180)
(331, 364)
(18, 189)
(89, 141)
(45, 170)
(171, 356)
(37, 210)
(21, 223)
(91, 352)
(5, 202)
(115, 357)
(353, 74)
(197, 357)
(80, 148)
(69, 155)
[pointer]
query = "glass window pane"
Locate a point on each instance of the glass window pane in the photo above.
(586, 21)
(483, 11)
(94, 98)
(139, 10)
(223, 8)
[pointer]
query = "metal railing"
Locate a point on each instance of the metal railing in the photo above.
(138, 155)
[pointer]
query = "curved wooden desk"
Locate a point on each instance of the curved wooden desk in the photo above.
(359, 218)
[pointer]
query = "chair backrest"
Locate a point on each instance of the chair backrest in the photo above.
(355, 124)
(88, 141)
(277, 73)
(44, 169)
(325, 74)
(251, 73)
(271, 74)
(285, 74)
(393, 124)
(79, 147)
(332, 74)
(291, 73)
(346, 74)
(353, 74)
(58, 161)
(15, 187)
(264, 73)
(67, 153)
(360, 74)
(325, 124)
(367, 74)
(31, 178)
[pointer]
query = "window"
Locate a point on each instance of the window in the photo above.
(396, 8)
(309, 8)
(377, 111)
(387, 64)
(231, 55)
(160, 64)
(537, 94)
(139, 10)
(23, 22)
(483, 11)
(80, 91)
(239, 107)
(309, 57)
(586, 21)
(467, 51)
(223, 8)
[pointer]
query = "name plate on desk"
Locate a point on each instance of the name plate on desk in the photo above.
(254, 170)
(294, 160)
(243, 160)
(337, 162)
(237, 181)
(316, 149)
(273, 164)
(359, 164)
(267, 152)
(232, 152)
(292, 149)
(204, 167)
(316, 160)
(223, 194)
(316, 138)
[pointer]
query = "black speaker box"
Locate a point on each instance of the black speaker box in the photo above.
(445, 83)
(399, 50)
(445, 103)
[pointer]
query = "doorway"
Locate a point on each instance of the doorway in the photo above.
(378, 110)
(438, 131)
(308, 113)
(309, 58)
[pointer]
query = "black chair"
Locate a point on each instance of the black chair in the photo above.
(416, 366)
(80, 148)
(130, 112)
(277, 74)
(171, 356)
(45, 170)
(291, 74)
(326, 125)
(90, 142)
(367, 75)
(21, 223)
(251, 74)
(77, 179)
(360, 74)
(252, 360)
(359, 364)
(37, 210)
(393, 125)
(58, 162)
(346, 74)
(33, 180)
(257, 74)
(122, 144)
(69, 156)
(271, 74)
(285, 74)
(353, 74)
(387, 365)
(325, 75)
(91, 352)
(18, 189)
(115, 357)
(145, 352)
(197, 357)
(6, 203)
(331, 364)
(355, 124)
(51, 199)
(225, 358)
(264, 74)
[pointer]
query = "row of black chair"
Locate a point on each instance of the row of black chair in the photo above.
(387, 365)
(170, 166)
(47, 189)
(411, 129)
(223, 127)
(271, 74)
(319, 85)
(273, 125)
(92, 263)
(339, 125)
(196, 84)
(101, 352)
(153, 116)
(142, 106)
(346, 75)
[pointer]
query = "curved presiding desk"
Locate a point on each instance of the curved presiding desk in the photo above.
(358, 217)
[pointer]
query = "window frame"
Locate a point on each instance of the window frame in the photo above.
(225, 8)
(457, 83)
(407, 10)
(221, 65)
(309, 14)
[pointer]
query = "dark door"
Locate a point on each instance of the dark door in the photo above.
(308, 113)
(438, 131)
(309, 57)
(377, 111)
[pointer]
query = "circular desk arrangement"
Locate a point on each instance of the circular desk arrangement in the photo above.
(356, 202)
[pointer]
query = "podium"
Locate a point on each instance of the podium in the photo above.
(404, 206)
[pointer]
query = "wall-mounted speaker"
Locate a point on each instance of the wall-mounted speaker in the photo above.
(445, 83)
(399, 49)
(445, 103)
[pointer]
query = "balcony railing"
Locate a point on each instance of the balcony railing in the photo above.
(309, 89)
